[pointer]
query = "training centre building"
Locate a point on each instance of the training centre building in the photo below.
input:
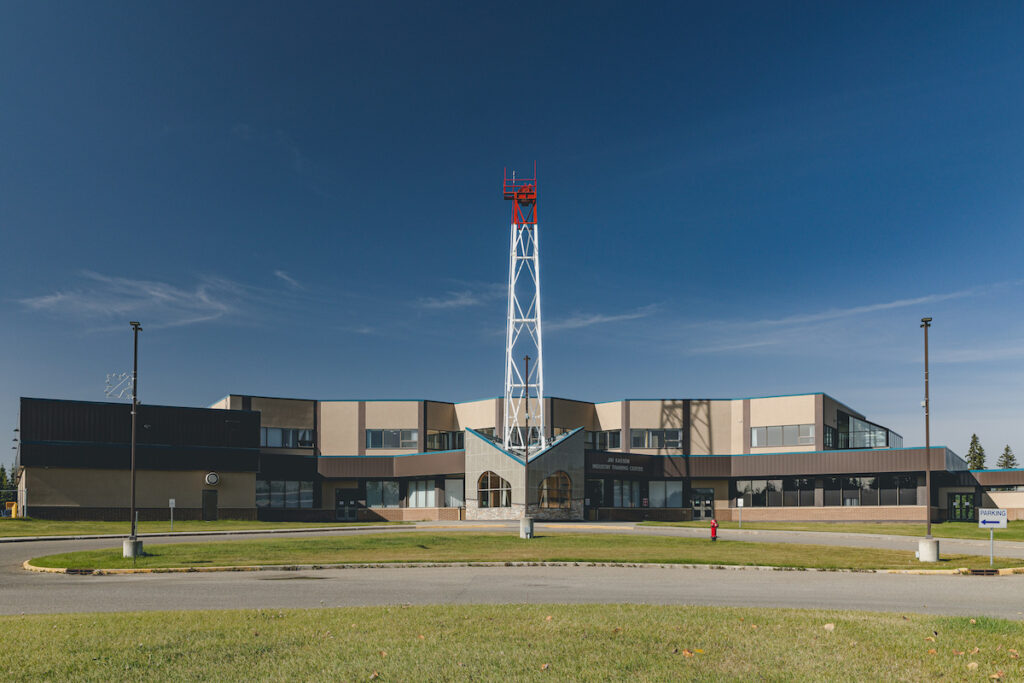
(780, 458)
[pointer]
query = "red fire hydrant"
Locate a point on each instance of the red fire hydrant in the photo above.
(714, 530)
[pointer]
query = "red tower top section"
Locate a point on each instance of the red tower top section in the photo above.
(523, 193)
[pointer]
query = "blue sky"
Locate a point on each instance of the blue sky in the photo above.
(736, 199)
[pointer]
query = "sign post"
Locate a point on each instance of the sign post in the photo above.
(992, 519)
(170, 504)
(739, 505)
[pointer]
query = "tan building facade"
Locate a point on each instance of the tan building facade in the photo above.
(799, 457)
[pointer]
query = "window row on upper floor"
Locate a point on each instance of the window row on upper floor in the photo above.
(782, 435)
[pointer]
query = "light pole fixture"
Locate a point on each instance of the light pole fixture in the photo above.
(926, 323)
(134, 544)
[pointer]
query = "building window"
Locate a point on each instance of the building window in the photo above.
(392, 438)
(279, 437)
(665, 494)
(284, 494)
(775, 492)
(382, 494)
(603, 441)
(656, 438)
(797, 492)
(445, 441)
(625, 494)
(493, 491)
(422, 493)
(782, 435)
(532, 436)
(883, 489)
(852, 432)
(556, 491)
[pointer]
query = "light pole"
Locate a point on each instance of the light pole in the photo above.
(133, 547)
(926, 323)
(928, 549)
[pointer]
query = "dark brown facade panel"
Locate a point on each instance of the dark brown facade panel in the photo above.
(835, 462)
(1008, 478)
(446, 462)
(711, 467)
(355, 466)
(421, 465)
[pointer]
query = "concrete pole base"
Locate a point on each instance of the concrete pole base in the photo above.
(526, 527)
(928, 550)
(132, 548)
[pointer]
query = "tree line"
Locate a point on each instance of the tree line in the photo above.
(7, 486)
(976, 456)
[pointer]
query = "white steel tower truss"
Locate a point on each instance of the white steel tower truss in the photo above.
(524, 428)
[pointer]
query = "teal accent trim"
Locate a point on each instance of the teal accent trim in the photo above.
(746, 455)
(378, 400)
(399, 455)
(1010, 469)
(481, 436)
(739, 398)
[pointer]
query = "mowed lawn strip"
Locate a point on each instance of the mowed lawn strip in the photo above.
(511, 642)
(44, 527)
(493, 547)
(1014, 531)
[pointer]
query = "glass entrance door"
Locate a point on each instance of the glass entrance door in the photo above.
(703, 503)
(345, 505)
(961, 507)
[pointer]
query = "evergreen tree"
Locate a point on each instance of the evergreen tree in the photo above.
(5, 484)
(1007, 460)
(975, 454)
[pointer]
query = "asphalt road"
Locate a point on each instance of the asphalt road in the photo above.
(29, 592)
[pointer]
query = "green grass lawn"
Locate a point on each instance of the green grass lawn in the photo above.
(42, 527)
(510, 642)
(492, 547)
(1014, 531)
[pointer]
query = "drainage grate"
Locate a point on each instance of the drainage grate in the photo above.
(984, 572)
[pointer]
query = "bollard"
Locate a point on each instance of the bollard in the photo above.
(526, 527)
(131, 548)
(928, 550)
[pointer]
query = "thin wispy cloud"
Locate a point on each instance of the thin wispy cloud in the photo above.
(794, 332)
(288, 279)
(981, 354)
(581, 320)
(836, 313)
(467, 295)
(102, 298)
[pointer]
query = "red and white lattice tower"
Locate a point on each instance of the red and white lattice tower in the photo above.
(524, 429)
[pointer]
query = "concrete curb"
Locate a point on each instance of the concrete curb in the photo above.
(27, 565)
(419, 565)
(177, 534)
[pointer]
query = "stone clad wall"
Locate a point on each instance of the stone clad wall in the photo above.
(482, 455)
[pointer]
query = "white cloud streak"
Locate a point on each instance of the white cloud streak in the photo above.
(288, 279)
(794, 331)
(836, 313)
(105, 298)
(468, 294)
(581, 320)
